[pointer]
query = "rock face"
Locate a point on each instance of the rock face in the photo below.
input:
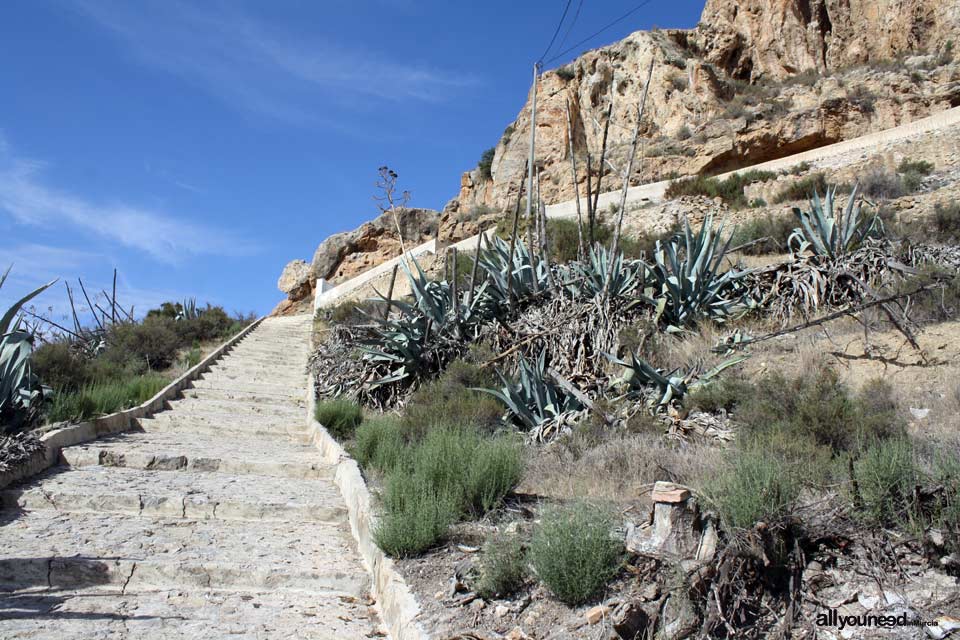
(344, 255)
(295, 280)
(756, 80)
(753, 39)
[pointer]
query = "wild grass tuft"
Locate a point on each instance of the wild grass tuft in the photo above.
(103, 398)
(756, 487)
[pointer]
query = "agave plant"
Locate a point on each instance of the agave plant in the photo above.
(685, 284)
(642, 377)
(20, 392)
(517, 277)
(404, 343)
(605, 271)
(829, 232)
(534, 398)
(188, 309)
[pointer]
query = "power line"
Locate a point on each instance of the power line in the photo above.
(594, 35)
(556, 31)
(570, 28)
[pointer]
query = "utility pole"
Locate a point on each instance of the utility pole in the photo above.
(533, 143)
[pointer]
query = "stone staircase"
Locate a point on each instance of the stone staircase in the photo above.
(215, 520)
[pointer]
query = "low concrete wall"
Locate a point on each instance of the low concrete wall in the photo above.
(114, 423)
(396, 604)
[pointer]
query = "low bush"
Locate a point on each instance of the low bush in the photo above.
(378, 443)
(340, 416)
(450, 473)
(756, 487)
(774, 228)
(103, 398)
(451, 398)
(59, 367)
(921, 167)
(802, 189)
(564, 240)
(416, 515)
(502, 567)
(798, 415)
(880, 183)
(150, 345)
(729, 190)
(946, 220)
(574, 552)
(352, 313)
(884, 479)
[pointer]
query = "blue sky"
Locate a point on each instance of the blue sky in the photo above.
(199, 146)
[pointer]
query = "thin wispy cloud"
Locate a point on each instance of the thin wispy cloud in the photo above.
(256, 66)
(30, 200)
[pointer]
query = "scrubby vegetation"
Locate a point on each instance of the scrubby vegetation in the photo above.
(730, 190)
(118, 362)
(340, 416)
(611, 364)
(573, 551)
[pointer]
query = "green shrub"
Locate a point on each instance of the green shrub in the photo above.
(756, 487)
(502, 568)
(802, 189)
(921, 167)
(352, 313)
(340, 416)
(885, 477)
(776, 228)
(451, 399)
(880, 183)
(946, 220)
(104, 398)
(730, 189)
(378, 443)
(152, 344)
(817, 407)
(59, 367)
(486, 163)
(946, 517)
(564, 240)
(574, 551)
(450, 470)
(724, 393)
(416, 515)
(495, 468)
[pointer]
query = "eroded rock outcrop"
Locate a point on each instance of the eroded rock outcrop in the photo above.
(756, 80)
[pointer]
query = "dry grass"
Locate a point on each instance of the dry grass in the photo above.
(620, 468)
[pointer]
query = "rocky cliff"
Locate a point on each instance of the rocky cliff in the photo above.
(755, 80)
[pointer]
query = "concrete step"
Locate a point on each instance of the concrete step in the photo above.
(196, 614)
(167, 451)
(245, 396)
(100, 489)
(263, 378)
(80, 550)
(243, 408)
(230, 426)
(278, 391)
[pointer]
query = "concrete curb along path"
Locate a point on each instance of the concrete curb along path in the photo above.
(396, 603)
(212, 519)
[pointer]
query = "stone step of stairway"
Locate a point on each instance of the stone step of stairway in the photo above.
(79, 550)
(194, 614)
(278, 391)
(167, 451)
(236, 407)
(103, 489)
(226, 426)
(259, 398)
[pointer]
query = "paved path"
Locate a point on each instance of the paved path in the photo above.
(215, 521)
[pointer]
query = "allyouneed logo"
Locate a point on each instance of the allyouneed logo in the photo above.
(832, 618)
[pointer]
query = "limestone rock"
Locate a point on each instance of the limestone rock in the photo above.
(727, 94)
(295, 280)
(677, 529)
(344, 255)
